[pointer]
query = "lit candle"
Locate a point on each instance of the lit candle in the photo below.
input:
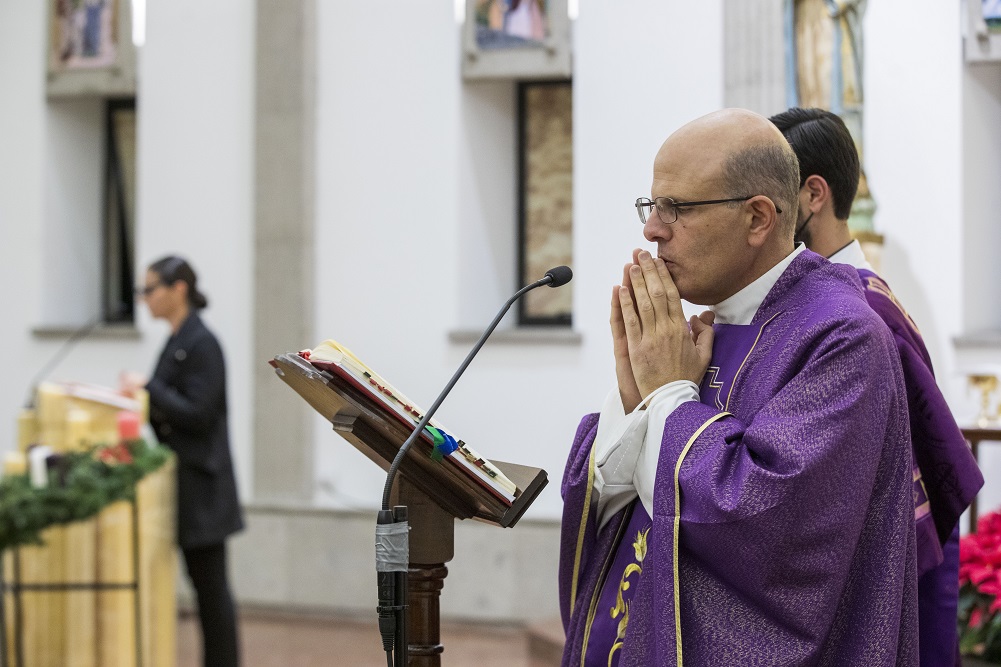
(15, 463)
(27, 429)
(128, 426)
(38, 468)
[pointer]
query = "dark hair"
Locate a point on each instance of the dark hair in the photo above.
(770, 170)
(824, 147)
(171, 268)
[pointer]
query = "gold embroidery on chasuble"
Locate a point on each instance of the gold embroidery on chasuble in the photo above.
(593, 608)
(621, 608)
(922, 506)
(880, 287)
(582, 530)
(715, 383)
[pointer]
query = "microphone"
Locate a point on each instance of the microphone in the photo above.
(66, 347)
(560, 275)
(391, 539)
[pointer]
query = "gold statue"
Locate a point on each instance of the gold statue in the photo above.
(986, 384)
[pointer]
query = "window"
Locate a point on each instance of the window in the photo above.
(119, 210)
(545, 197)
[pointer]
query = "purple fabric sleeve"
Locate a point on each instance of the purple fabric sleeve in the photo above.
(951, 475)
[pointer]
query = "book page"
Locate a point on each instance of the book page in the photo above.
(386, 394)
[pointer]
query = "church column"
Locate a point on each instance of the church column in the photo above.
(754, 55)
(283, 248)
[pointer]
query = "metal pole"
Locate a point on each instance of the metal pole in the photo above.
(18, 611)
(135, 577)
(3, 614)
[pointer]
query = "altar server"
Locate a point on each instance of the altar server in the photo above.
(946, 476)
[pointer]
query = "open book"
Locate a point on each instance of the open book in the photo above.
(334, 358)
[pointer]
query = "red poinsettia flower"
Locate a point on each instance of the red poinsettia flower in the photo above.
(113, 454)
(989, 524)
(980, 579)
(976, 617)
(991, 585)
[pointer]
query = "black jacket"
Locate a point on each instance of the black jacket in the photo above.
(187, 409)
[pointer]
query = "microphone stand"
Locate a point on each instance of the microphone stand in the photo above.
(392, 544)
(66, 347)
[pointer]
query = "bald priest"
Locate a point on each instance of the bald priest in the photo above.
(744, 496)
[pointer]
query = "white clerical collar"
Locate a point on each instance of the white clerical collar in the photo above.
(741, 307)
(851, 254)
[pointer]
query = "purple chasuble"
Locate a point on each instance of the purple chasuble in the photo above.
(782, 525)
(946, 479)
(950, 476)
(610, 618)
(731, 346)
(608, 630)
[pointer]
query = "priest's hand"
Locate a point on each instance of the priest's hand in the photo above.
(663, 346)
(628, 391)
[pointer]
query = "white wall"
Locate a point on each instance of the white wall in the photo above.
(196, 139)
(913, 141)
(74, 209)
(22, 157)
(981, 196)
(194, 196)
(46, 219)
(932, 138)
(397, 126)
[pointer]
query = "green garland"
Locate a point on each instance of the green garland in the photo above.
(79, 487)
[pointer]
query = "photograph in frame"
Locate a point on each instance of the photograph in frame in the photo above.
(90, 50)
(84, 34)
(511, 24)
(516, 39)
(992, 14)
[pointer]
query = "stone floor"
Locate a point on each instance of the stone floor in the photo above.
(270, 640)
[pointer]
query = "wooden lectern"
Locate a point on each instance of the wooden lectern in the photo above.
(435, 493)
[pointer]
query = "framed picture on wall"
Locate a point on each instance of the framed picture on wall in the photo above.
(516, 39)
(90, 50)
(84, 34)
(992, 14)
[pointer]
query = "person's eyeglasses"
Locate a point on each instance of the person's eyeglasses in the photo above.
(667, 208)
(144, 292)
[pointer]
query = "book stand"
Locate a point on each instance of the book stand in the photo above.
(434, 493)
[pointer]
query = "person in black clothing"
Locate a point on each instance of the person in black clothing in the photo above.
(187, 410)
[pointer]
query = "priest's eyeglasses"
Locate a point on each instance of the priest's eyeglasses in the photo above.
(667, 208)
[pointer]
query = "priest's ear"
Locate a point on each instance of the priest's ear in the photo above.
(814, 195)
(765, 218)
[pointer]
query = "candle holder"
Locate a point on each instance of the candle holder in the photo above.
(986, 384)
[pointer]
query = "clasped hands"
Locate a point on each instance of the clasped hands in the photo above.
(653, 342)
